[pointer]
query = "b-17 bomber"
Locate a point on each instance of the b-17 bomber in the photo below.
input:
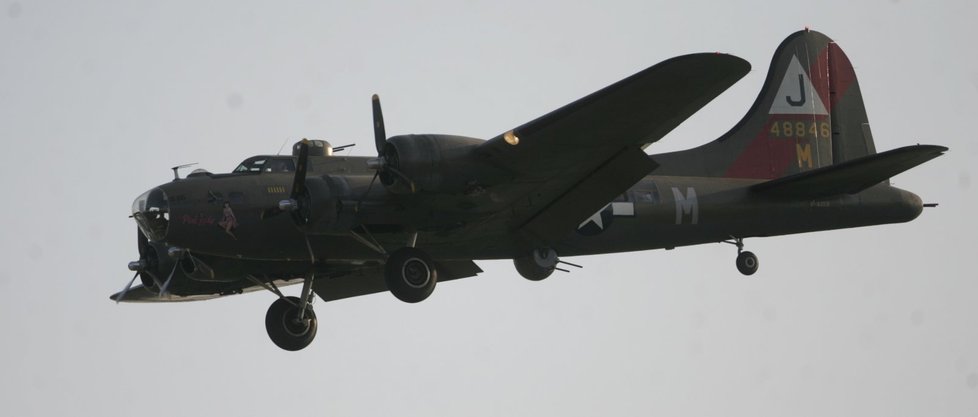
(575, 181)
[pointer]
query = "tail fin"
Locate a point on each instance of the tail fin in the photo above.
(809, 114)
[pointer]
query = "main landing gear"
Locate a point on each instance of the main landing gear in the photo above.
(289, 327)
(410, 274)
(290, 321)
(747, 262)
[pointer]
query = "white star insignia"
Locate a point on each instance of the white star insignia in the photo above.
(596, 219)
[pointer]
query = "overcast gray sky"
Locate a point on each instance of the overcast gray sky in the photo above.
(98, 99)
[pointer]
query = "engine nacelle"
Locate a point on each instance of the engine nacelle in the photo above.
(437, 163)
(323, 211)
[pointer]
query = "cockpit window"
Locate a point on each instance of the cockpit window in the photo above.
(280, 165)
(251, 165)
(264, 164)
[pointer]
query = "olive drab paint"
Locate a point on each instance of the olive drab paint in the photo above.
(575, 181)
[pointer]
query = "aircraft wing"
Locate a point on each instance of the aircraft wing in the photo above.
(140, 294)
(567, 164)
(356, 281)
(370, 280)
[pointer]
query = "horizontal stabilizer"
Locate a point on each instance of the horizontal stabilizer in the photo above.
(852, 176)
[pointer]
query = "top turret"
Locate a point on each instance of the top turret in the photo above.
(316, 148)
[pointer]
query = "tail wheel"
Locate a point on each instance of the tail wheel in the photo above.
(410, 275)
(285, 328)
(747, 263)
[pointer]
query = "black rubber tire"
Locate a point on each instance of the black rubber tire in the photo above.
(283, 328)
(410, 275)
(527, 268)
(747, 263)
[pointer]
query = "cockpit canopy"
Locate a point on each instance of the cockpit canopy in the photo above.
(258, 164)
(317, 147)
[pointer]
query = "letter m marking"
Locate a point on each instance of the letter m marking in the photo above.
(804, 155)
(686, 205)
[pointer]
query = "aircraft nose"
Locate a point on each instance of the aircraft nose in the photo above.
(151, 210)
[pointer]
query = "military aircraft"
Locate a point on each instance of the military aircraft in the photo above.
(575, 181)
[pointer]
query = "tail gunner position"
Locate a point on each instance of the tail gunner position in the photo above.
(576, 181)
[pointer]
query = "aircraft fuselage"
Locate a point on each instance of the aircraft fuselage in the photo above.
(658, 212)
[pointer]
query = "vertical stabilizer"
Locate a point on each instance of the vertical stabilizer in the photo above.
(809, 114)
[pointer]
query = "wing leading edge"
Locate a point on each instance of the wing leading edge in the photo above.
(357, 282)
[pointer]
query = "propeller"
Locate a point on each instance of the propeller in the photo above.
(140, 268)
(386, 161)
(380, 135)
(146, 264)
(385, 165)
(166, 284)
(122, 294)
(298, 200)
(299, 182)
(142, 245)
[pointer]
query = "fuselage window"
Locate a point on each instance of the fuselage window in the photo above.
(280, 165)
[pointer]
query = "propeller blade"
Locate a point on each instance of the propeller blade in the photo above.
(356, 208)
(142, 243)
(169, 278)
(299, 183)
(403, 177)
(125, 290)
(380, 136)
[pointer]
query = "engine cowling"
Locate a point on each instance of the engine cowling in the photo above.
(322, 211)
(435, 163)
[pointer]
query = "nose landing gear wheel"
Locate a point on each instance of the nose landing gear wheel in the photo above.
(410, 275)
(284, 327)
(747, 263)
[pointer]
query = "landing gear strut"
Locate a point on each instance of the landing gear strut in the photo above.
(747, 262)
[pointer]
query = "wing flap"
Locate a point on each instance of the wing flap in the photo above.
(589, 195)
(852, 176)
